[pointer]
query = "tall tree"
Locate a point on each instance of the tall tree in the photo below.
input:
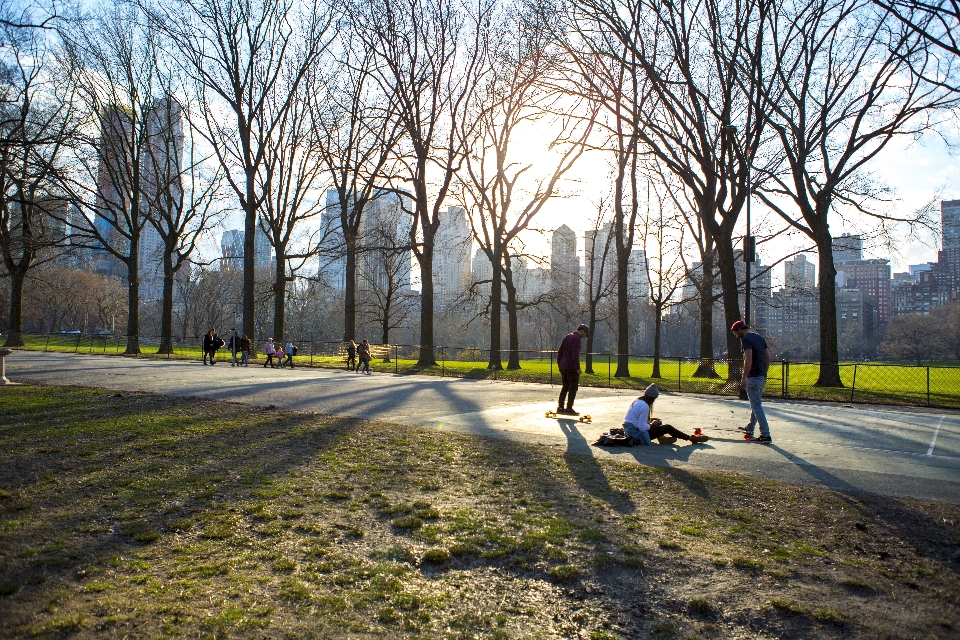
(358, 133)
(119, 84)
(244, 55)
(502, 195)
(184, 199)
(683, 56)
(843, 80)
(429, 61)
(37, 124)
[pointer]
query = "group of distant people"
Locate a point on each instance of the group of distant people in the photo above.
(639, 426)
(240, 350)
(358, 355)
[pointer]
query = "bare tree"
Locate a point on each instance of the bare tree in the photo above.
(501, 198)
(672, 69)
(844, 79)
(37, 123)
(386, 298)
(183, 199)
(664, 265)
(243, 58)
(358, 133)
(599, 281)
(430, 55)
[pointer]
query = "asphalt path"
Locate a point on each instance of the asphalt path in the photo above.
(901, 452)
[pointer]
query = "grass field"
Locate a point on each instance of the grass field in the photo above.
(128, 515)
(936, 384)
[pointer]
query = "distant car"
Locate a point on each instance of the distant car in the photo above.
(70, 332)
(102, 333)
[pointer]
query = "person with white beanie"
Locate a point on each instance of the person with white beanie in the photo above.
(643, 429)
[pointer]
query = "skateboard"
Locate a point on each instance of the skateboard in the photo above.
(746, 436)
(560, 416)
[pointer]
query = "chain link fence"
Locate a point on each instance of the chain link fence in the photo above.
(878, 383)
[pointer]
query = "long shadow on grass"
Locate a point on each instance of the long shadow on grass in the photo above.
(587, 471)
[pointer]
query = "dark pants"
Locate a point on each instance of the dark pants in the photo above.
(210, 352)
(665, 429)
(571, 382)
(351, 363)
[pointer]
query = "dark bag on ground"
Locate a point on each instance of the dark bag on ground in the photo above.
(616, 437)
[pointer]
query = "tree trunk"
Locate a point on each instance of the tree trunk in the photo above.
(425, 258)
(350, 287)
(513, 361)
(166, 306)
(133, 301)
(731, 306)
(706, 368)
(623, 313)
(496, 308)
(15, 334)
(279, 296)
(657, 321)
(829, 356)
(249, 247)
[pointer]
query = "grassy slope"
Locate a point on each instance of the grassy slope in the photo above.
(143, 515)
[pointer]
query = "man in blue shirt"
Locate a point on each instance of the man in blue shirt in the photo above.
(756, 361)
(568, 361)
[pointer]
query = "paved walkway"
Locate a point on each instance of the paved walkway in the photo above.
(906, 452)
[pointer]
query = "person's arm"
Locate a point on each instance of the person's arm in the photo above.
(766, 356)
(747, 363)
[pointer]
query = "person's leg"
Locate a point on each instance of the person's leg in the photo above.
(566, 381)
(754, 391)
(213, 355)
(574, 385)
(234, 354)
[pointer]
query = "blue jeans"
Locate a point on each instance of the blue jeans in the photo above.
(364, 364)
(632, 431)
(754, 390)
(243, 358)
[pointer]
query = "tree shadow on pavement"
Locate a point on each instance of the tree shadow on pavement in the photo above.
(588, 473)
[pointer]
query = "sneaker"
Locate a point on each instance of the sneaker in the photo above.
(762, 440)
(571, 412)
(666, 439)
(698, 439)
(746, 429)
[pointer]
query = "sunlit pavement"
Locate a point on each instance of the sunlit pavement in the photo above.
(906, 452)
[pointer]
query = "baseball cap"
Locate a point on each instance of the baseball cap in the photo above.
(585, 329)
(739, 324)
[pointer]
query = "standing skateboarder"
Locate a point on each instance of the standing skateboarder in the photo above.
(568, 361)
(756, 361)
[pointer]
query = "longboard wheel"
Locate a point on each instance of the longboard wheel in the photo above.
(746, 436)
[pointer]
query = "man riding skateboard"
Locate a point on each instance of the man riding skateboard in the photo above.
(568, 361)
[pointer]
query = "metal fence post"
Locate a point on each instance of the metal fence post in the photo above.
(928, 386)
(551, 368)
(443, 363)
(46, 345)
(609, 366)
(679, 377)
(853, 386)
(396, 357)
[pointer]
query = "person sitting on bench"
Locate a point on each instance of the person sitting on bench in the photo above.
(644, 430)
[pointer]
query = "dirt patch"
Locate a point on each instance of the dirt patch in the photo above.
(138, 515)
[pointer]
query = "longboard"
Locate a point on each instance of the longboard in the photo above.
(562, 416)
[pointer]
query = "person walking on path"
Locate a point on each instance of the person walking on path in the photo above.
(211, 342)
(244, 350)
(568, 361)
(352, 356)
(289, 349)
(363, 355)
(642, 428)
(269, 350)
(279, 354)
(756, 361)
(234, 345)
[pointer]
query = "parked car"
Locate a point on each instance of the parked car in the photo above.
(70, 332)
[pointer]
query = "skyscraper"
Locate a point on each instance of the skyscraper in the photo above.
(950, 223)
(847, 248)
(565, 264)
(799, 274)
(453, 248)
(231, 247)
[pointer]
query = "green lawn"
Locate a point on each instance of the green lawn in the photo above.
(883, 383)
(133, 515)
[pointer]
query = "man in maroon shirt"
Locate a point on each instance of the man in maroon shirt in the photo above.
(568, 361)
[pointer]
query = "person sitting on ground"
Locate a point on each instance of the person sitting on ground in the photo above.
(269, 350)
(643, 429)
